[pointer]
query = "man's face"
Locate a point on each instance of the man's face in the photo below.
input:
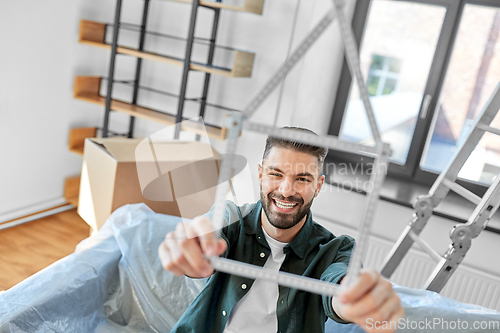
(289, 182)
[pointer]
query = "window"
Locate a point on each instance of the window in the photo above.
(472, 75)
(383, 75)
(430, 66)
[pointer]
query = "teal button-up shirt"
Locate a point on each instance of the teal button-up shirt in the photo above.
(314, 252)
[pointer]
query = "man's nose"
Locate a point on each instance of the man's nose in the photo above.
(286, 187)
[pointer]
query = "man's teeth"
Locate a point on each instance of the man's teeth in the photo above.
(281, 204)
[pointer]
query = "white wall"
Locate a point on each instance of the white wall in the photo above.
(41, 56)
(37, 64)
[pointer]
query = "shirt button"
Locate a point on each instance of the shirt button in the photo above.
(262, 254)
(282, 301)
(224, 313)
(243, 286)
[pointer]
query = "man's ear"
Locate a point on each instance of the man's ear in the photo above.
(319, 184)
(260, 171)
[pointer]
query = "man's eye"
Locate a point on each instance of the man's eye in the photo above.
(275, 174)
(302, 179)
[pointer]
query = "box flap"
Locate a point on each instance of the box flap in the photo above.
(122, 149)
(174, 151)
(145, 150)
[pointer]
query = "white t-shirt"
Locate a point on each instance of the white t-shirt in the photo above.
(256, 311)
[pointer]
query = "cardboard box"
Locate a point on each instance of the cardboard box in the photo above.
(175, 178)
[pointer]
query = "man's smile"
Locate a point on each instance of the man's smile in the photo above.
(284, 206)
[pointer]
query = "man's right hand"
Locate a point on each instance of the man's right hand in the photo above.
(182, 250)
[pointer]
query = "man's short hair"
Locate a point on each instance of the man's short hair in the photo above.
(319, 152)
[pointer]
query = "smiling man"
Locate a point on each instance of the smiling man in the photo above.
(278, 233)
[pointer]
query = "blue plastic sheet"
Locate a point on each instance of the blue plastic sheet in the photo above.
(114, 283)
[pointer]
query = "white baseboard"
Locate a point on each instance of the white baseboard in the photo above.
(37, 216)
(31, 209)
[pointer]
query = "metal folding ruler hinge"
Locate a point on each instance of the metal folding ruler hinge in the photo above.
(461, 235)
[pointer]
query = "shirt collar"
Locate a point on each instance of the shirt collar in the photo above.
(298, 244)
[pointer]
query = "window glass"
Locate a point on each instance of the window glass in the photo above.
(471, 77)
(383, 75)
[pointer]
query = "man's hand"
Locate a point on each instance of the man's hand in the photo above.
(371, 303)
(182, 250)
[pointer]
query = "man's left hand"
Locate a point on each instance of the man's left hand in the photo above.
(370, 303)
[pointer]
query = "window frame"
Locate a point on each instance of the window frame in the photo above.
(411, 170)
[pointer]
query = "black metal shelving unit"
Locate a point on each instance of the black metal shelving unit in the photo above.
(117, 25)
(199, 54)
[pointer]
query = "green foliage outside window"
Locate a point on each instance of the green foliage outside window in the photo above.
(383, 75)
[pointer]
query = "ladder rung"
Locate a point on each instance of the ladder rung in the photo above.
(434, 255)
(489, 129)
(462, 191)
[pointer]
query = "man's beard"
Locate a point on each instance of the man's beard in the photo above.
(283, 220)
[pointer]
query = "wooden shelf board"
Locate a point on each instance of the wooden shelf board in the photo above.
(250, 6)
(72, 189)
(77, 138)
(77, 150)
(87, 89)
(92, 33)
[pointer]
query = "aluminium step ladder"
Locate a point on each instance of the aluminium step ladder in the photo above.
(462, 234)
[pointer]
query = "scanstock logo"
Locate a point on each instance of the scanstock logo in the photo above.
(183, 174)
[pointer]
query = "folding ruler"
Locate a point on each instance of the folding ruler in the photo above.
(462, 234)
(237, 122)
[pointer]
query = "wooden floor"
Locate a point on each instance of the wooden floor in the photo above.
(28, 248)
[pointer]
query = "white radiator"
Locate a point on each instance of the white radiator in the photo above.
(469, 284)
